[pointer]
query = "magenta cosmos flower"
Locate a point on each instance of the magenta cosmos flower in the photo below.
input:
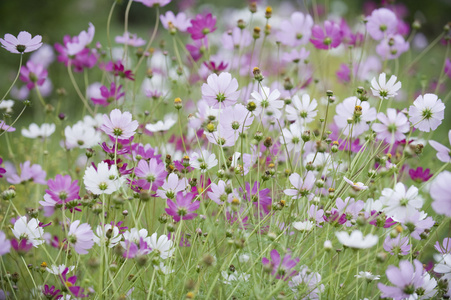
(281, 268)
(407, 278)
(119, 125)
(81, 237)
(33, 74)
(392, 126)
(183, 208)
(201, 26)
(108, 95)
(441, 193)
(220, 91)
(22, 44)
(328, 38)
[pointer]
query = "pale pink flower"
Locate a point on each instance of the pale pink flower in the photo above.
(220, 91)
(381, 23)
(443, 153)
(22, 44)
(392, 126)
(119, 125)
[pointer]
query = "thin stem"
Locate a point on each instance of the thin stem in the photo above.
(15, 79)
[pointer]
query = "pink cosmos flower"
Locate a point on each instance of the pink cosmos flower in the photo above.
(61, 191)
(441, 193)
(448, 67)
(180, 22)
(86, 58)
(392, 126)
(22, 44)
(183, 208)
(5, 245)
(297, 30)
(33, 74)
(443, 153)
(69, 283)
(260, 198)
(7, 128)
(427, 112)
(198, 48)
(80, 42)
(119, 125)
(359, 112)
(154, 174)
(328, 38)
(108, 96)
(130, 39)
(28, 173)
(300, 186)
(281, 268)
(236, 39)
(172, 186)
(2, 170)
(397, 245)
(133, 250)
(201, 26)
(236, 118)
(296, 55)
(381, 23)
(392, 47)
(344, 73)
(81, 237)
(419, 175)
(407, 278)
(445, 247)
(220, 91)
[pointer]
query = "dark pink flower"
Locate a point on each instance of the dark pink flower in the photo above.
(260, 198)
(2, 170)
(108, 96)
(419, 175)
(133, 250)
(22, 246)
(198, 48)
(69, 283)
(281, 268)
(51, 292)
(201, 26)
(327, 38)
(63, 189)
(152, 172)
(86, 58)
(183, 208)
(33, 74)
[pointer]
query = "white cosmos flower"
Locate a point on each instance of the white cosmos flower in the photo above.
(367, 275)
(203, 161)
(356, 240)
(81, 135)
(357, 186)
(101, 235)
(302, 111)
(383, 89)
(166, 124)
(427, 112)
(7, 105)
(104, 180)
(164, 269)
(29, 230)
(303, 226)
(268, 101)
(58, 270)
(34, 131)
(162, 246)
(399, 202)
(236, 276)
(134, 235)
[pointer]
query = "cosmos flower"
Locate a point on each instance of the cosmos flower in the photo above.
(35, 131)
(81, 237)
(302, 111)
(427, 112)
(392, 126)
(407, 278)
(220, 91)
(33, 74)
(182, 208)
(356, 240)
(119, 125)
(381, 23)
(103, 179)
(443, 153)
(383, 89)
(201, 26)
(327, 38)
(281, 268)
(130, 39)
(31, 231)
(297, 30)
(441, 193)
(22, 44)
